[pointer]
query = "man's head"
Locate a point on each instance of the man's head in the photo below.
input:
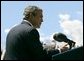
(34, 15)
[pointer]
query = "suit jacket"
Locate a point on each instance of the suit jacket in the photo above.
(22, 43)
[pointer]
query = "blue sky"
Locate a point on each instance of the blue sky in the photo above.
(53, 13)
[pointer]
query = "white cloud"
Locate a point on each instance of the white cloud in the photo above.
(64, 17)
(73, 28)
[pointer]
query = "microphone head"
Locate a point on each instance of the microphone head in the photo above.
(59, 37)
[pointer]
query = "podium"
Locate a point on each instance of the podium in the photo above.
(73, 54)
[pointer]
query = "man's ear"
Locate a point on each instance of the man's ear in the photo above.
(31, 16)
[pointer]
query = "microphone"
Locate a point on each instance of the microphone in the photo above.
(60, 37)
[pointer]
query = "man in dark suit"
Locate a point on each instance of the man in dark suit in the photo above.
(22, 42)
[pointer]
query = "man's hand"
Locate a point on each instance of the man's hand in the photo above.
(64, 48)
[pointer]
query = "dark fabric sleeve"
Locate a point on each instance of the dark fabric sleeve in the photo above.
(53, 52)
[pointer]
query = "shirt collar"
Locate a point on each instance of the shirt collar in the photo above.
(28, 22)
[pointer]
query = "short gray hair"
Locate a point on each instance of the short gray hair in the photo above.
(30, 9)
